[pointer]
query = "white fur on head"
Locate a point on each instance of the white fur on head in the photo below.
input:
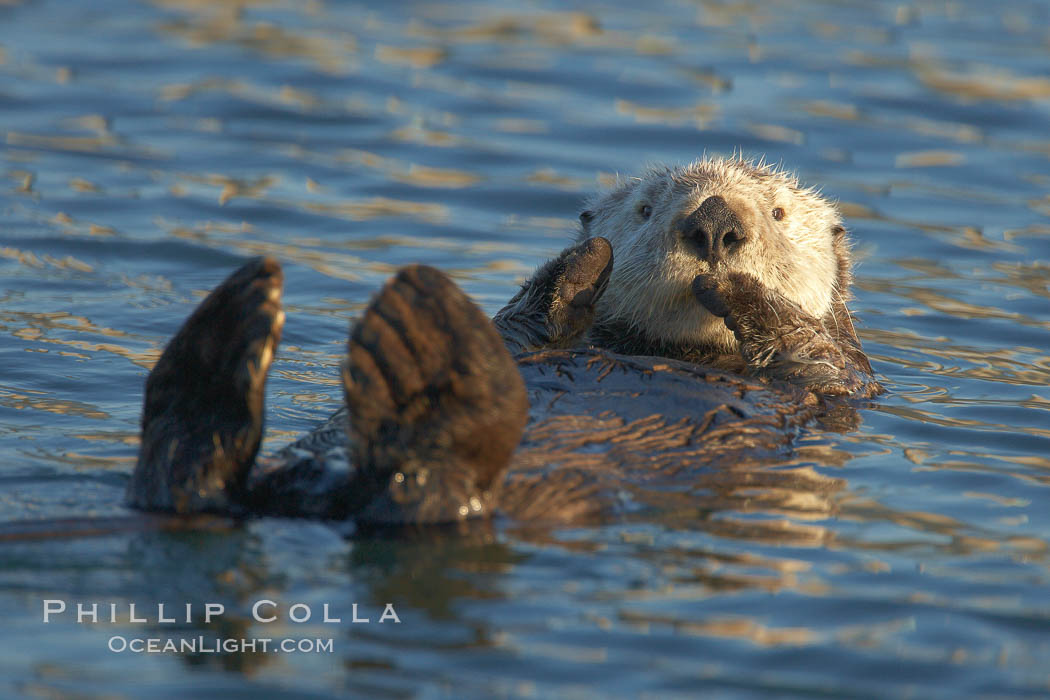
(650, 288)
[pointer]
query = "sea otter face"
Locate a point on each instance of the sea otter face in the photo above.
(673, 224)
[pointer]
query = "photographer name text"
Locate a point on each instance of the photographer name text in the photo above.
(264, 611)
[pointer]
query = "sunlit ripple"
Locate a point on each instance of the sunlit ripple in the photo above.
(146, 150)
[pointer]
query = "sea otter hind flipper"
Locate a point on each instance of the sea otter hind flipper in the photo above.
(202, 418)
(436, 403)
(556, 306)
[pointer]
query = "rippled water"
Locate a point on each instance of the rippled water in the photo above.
(149, 148)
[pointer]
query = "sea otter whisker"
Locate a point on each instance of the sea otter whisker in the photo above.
(773, 310)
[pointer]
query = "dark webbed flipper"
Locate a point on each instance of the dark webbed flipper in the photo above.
(202, 418)
(436, 403)
(555, 307)
(781, 341)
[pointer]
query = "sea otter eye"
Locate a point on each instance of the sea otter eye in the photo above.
(646, 211)
(778, 213)
(586, 217)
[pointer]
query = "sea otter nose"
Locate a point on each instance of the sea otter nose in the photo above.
(713, 228)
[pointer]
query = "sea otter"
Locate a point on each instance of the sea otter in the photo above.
(719, 330)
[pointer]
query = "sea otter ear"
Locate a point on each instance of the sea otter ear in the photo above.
(586, 217)
(838, 233)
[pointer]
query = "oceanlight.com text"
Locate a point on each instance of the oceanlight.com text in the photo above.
(218, 645)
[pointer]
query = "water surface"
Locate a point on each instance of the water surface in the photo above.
(147, 149)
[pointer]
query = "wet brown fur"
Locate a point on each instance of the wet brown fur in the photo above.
(439, 424)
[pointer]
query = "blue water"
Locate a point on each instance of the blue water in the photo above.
(147, 149)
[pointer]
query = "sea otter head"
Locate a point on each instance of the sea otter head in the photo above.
(710, 217)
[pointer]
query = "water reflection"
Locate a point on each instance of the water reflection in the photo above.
(147, 150)
(215, 22)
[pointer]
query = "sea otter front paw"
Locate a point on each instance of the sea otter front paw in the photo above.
(582, 278)
(749, 308)
(712, 292)
(202, 418)
(777, 338)
(556, 306)
(436, 403)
